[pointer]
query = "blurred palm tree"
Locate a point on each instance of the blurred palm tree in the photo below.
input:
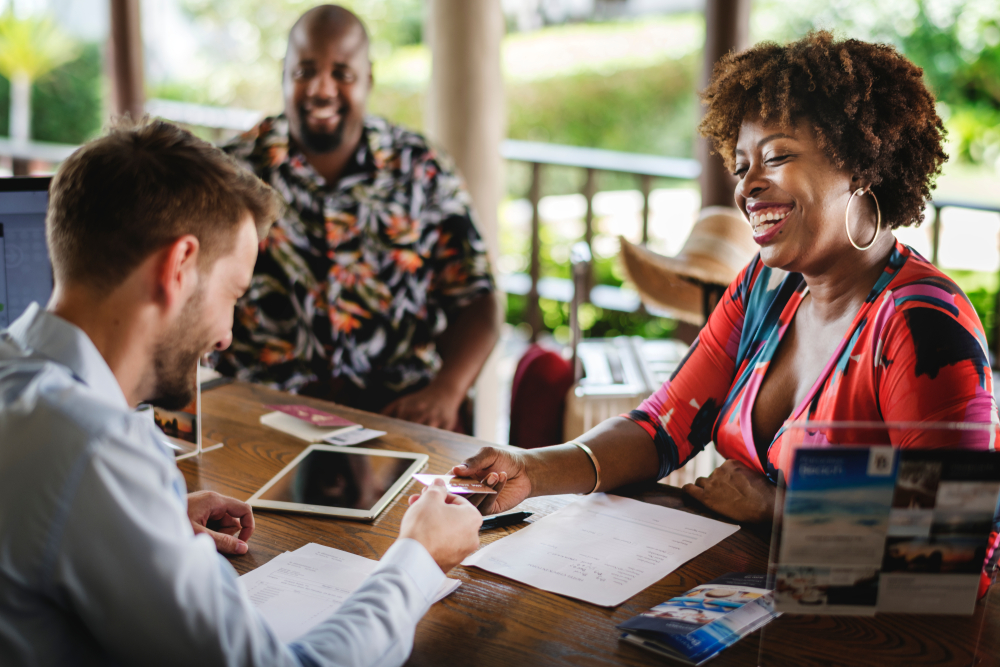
(30, 48)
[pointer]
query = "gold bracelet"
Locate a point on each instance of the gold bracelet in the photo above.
(593, 459)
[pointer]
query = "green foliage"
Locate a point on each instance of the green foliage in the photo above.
(984, 301)
(957, 43)
(66, 105)
(643, 110)
(959, 50)
(248, 39)
(399, 105)
(32, 46)
(981, 288)
(594, 322)
(179, 91)
(974, 130)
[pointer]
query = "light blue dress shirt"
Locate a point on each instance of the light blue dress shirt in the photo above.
(98, 562)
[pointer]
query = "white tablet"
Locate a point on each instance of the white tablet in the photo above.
(348, 482)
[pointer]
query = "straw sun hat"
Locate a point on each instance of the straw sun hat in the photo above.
(719, 246)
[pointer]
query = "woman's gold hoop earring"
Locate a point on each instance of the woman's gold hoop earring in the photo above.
(847, 218)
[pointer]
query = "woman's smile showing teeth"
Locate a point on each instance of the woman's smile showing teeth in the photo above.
(766, 218)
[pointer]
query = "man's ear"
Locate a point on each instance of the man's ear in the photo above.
(178, 274)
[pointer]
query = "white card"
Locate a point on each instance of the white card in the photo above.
(461, 485)
(354, 437)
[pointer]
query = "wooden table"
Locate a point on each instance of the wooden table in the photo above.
(494, 621)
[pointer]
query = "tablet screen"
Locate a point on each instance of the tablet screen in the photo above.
(338, 479)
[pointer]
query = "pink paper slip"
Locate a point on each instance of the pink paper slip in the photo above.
(312, 416)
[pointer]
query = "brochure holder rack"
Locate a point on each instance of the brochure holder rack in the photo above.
(881, 519)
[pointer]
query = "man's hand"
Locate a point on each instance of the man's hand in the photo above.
(504, 471)
(445, 524)
(231, 520)
(434, 405)
(736, 491)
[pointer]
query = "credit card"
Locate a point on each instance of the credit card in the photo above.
(463, 485)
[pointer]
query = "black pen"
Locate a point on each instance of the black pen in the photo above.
(500, 520)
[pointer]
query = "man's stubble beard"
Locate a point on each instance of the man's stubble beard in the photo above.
(175, 361)
(320, 142)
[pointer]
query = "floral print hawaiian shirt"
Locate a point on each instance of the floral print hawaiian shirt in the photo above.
(355, 279)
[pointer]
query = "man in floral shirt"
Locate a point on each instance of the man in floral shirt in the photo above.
(373, 289)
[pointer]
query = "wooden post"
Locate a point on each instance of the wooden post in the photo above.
(533, 313)
(935, 234)
(589, 189)
(465, 102)
(996, 323)
(727, 28)
(645, 185)
(20, 118)
(128, 93)
(465, 115)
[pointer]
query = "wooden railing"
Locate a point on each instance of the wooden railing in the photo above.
(591, 160)
(38, 155)
(220, 122)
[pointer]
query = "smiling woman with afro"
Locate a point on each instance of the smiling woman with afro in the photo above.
(835, 144)
(866, 104)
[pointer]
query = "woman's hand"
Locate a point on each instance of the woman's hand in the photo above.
(504, 471)
(736, 491)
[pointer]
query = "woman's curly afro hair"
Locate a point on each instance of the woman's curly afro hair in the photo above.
(867, 105)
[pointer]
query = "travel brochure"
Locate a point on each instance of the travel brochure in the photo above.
(877, 529)
(696, 626)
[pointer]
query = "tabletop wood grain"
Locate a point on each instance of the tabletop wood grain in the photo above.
(490, 620)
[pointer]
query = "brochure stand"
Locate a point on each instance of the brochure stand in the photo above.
(885, 518)
(182, 429)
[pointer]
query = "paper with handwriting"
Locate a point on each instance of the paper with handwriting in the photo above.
(601, 549)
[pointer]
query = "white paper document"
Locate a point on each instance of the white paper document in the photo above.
(601, 549)
(298, 589)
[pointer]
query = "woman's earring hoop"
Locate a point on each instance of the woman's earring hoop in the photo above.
(847, 219)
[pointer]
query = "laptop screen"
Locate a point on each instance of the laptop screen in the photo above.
(25, 269)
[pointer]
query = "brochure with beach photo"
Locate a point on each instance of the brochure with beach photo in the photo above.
(835, 518)
(696, 626)
(867, 529)
(943, 512)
